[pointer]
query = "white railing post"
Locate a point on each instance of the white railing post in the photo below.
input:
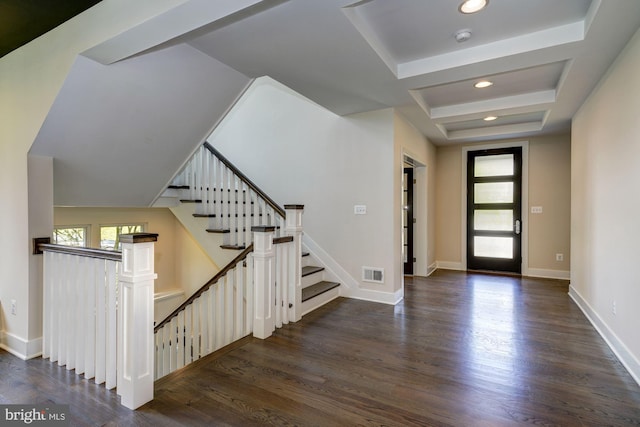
(135, 320)
(293, 227)
(264, 280)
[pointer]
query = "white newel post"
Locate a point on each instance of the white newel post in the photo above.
(135, 320)
(264, 277)
(293, 227)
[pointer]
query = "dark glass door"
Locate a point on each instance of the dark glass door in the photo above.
(494, 207)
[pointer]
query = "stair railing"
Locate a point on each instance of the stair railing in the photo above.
(219, 313)
(231, 201)
(259, 290)
(89, 300)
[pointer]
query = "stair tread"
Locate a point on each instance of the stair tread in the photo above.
(317, 289)
(239, 247)
(218, 230)
(179, 187)
(305, 254)
(310, 269)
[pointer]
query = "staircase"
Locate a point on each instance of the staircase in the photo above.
(223, 202)
(316, 290)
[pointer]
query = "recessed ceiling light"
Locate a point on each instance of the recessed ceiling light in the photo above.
(472, 6)
(490, 118)
(483, 83)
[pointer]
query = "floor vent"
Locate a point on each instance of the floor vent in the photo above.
(371, 274)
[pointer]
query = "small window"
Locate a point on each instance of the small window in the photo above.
(110, 234)
(71, 236)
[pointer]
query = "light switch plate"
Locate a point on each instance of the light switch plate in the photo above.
(360, 209)
(536, 209)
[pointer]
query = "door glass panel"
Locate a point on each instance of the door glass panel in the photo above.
(493, 192)
(493, 220)
(493, 247)
(499, 165)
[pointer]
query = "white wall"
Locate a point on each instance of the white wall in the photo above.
(298, 152)
(30, 78)
(605, 155)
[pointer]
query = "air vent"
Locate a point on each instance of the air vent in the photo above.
(371, 274)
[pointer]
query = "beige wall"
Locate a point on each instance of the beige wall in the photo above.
(605, 231)
(410, 142)
(549, 187)
(180, 263)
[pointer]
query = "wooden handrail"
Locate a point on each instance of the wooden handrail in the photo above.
(246, 180)
(79, 251)
(206, 286)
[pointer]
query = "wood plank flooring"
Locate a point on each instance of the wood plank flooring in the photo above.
(460, 350)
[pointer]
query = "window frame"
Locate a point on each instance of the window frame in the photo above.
(116, 246)
(85, 227)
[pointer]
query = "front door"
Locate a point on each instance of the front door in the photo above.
(494, 206)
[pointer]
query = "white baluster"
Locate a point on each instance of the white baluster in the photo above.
(238, 301)
(112, 324)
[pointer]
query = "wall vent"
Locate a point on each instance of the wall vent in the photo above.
(371, 274)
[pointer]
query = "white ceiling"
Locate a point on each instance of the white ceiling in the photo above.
(133, 107)
(544, 56)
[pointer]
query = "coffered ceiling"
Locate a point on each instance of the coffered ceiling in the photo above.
(543, 57)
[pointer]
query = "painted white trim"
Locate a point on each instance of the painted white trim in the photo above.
(628, 360)
(450, 265)
(549, 274)
(172, 293)
(525, 199)
(377, 296)
(331, 265)
(349, 286)
(20, 347)
(433, 267)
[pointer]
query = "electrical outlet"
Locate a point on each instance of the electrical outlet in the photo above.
(13, 307)
(559, 257)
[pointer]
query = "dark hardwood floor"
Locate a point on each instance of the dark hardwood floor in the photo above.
(460, 350)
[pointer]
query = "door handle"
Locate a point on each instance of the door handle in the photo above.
(517, 226)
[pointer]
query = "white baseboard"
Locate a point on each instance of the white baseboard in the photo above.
(450, 265)
(19, 347)
(548, 274)
(349, 286)
(377, 296)
(347, 282)
(628, 360)
(433, 267)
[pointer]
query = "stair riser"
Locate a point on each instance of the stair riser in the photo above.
(312, 279)
(312, 304)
